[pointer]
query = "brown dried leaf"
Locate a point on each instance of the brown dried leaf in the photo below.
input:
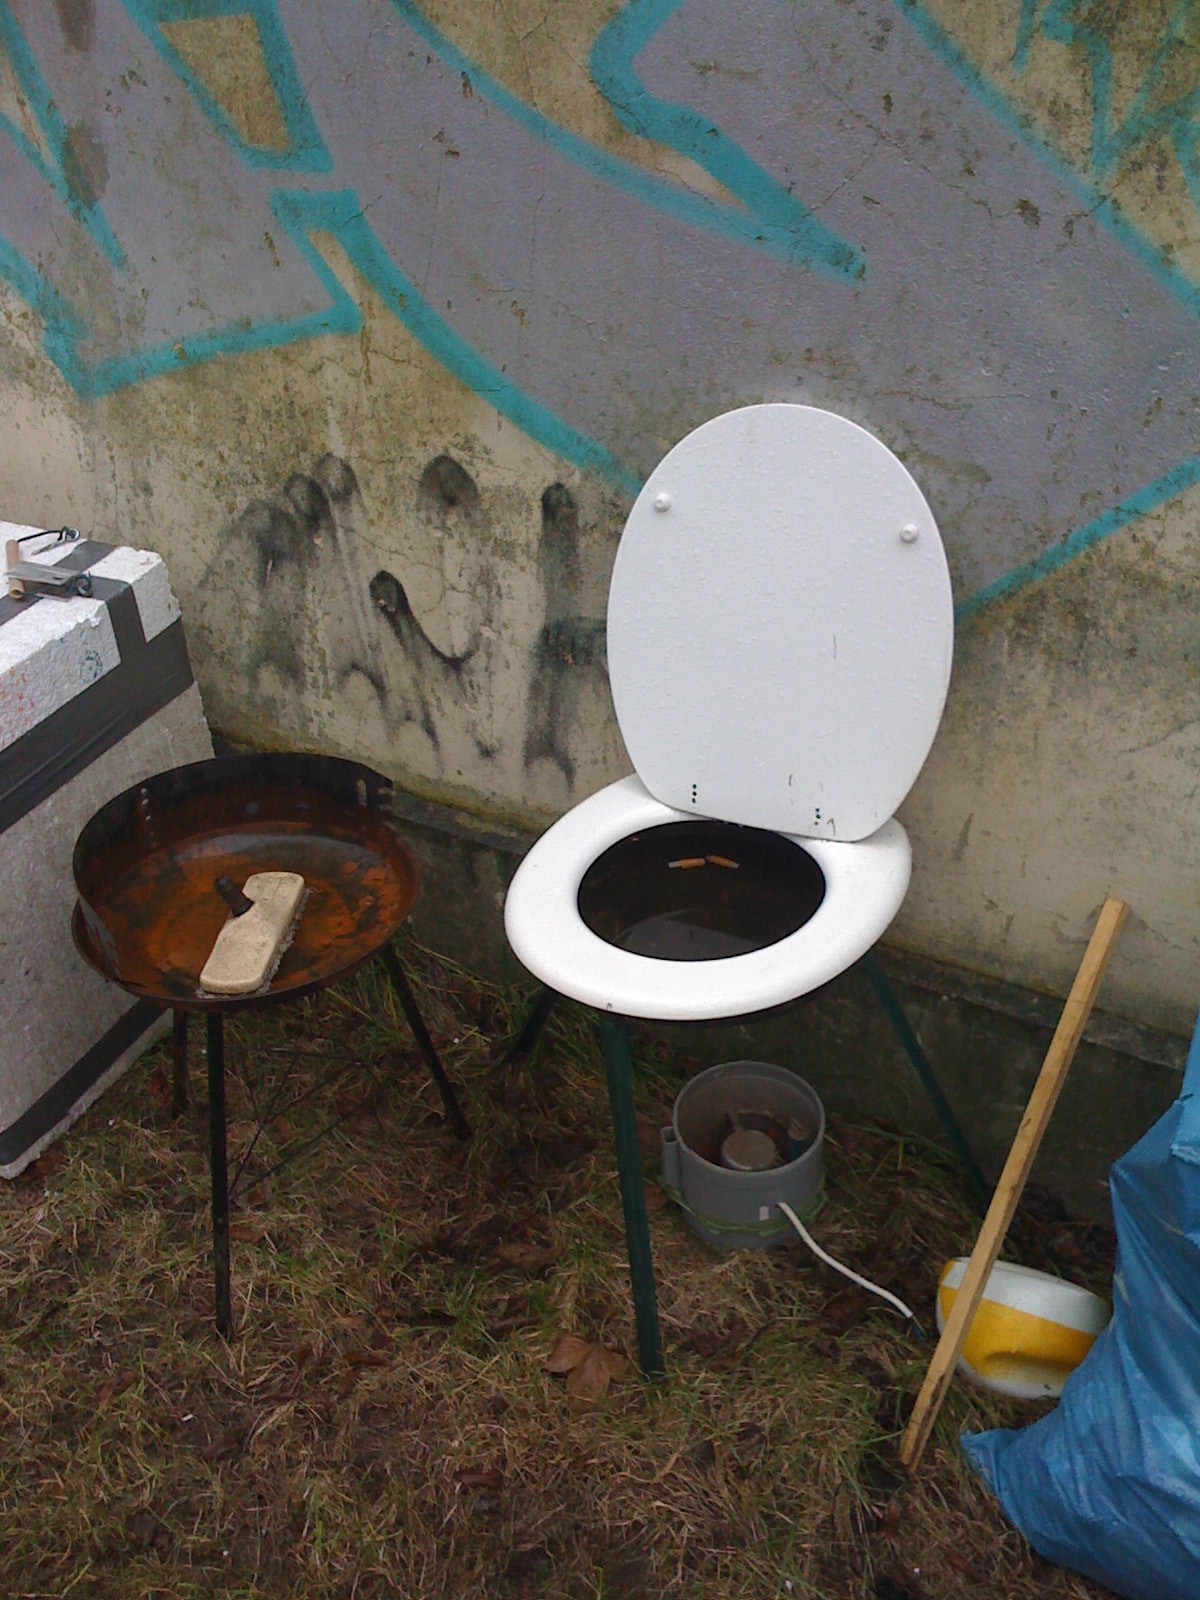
(365, 1358)
(248, 1230)
(46, 1165)
(589, 1380)
(526, 1255)
(490, 1479)
(114, 1386)
(568, 1353)
(617, 1364)
(226, 1444)
(891, 1517)
(706, 1341)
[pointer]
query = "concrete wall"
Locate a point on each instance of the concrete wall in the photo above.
(371, 317)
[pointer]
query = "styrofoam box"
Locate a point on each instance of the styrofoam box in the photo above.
(95, 694)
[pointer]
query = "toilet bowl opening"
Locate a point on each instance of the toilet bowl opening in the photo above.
(700, 891)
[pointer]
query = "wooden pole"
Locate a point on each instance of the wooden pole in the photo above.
(1012, 1180)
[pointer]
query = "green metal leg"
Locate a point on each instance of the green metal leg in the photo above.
(911, 1045)
(618, 1067)
(531, 1029)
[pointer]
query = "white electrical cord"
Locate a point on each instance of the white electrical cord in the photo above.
(863, 1283)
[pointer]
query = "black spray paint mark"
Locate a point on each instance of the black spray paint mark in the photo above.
(294, 535)
(570, 650)
(448, 486)
(440, 687)
(438, 678)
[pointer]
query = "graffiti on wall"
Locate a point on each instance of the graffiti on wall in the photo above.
(886, 229)
(302, 619)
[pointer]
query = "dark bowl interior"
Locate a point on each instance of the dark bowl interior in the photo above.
(146, 866)
(700, 891)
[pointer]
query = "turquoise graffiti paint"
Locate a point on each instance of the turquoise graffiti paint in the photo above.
(53, 172)
(306, 150)
(767, 218)
(342, 215)
(760, 215)
(1148, 499)
(782, 223)
(1092, 198)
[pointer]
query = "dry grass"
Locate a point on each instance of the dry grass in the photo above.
(381, 1423)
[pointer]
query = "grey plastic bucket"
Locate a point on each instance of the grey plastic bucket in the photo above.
(740, 1210)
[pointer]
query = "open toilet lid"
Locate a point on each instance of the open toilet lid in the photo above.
(780, 625)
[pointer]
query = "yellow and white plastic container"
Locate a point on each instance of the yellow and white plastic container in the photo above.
(1030, 1332)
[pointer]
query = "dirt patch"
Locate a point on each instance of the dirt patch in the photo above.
(383, 1422)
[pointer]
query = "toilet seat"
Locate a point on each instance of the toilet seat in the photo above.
(780, 630)
(865, 883)
(780, 625)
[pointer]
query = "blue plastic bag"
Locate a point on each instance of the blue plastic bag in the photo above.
(1109, 1482)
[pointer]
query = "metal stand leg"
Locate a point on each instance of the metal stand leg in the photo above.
(408, 1005)
(618, 1067)
(531, 1028)
(220, 1174)
(179, 1097)
(912, 1048)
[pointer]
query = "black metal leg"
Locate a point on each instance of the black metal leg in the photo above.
(912, 1048)
(416, 1022)
(179, 1097)
(618, 1067)
(220, 1174)
(531, 1028)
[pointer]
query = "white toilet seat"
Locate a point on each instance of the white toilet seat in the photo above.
(865, 883)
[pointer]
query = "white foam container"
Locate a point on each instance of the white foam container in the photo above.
(95, 695)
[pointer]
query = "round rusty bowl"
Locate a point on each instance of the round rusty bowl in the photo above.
(146, 864)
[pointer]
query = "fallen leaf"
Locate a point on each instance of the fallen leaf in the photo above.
(589, 1380)
(617, 1364)
(225, 1444)
(590, 1367)
(46, 1165)
(489, 1478)
(114, 1386)
(569, 1352)
(147, 1532)
(526, 1256)
(960, 1564)
(248, 1230)
(749, 1441)
(159, 1089)
(365, 1358)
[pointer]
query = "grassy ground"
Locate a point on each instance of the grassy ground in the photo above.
(382, 1423)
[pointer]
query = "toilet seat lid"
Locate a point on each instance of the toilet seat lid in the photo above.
(780, 625)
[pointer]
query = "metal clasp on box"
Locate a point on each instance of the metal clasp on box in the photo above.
(30, 577)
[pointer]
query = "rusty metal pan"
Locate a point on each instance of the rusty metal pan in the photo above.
(146, 864)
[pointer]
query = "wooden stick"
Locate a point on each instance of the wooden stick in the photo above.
(1012, 1180)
